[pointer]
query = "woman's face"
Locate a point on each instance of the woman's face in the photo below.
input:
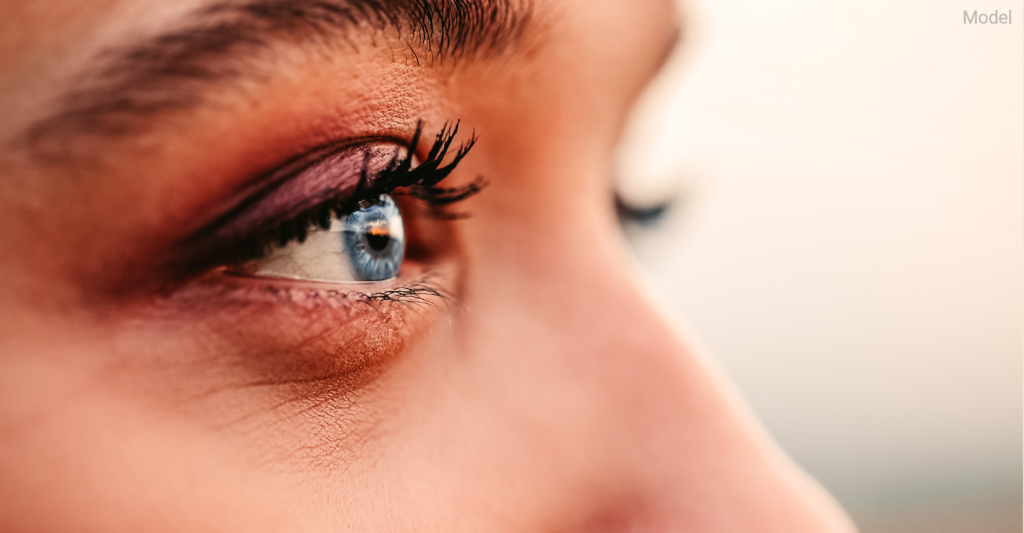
(211, 318)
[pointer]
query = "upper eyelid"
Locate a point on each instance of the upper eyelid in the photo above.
(308, 182)
(277, 196)
(266, 182)
(272, 181)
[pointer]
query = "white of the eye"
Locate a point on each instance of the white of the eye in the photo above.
(321, 257)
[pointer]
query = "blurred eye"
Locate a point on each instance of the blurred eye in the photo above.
(649, 215)
(367, 245)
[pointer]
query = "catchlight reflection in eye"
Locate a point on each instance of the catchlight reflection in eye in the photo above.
(367, 245)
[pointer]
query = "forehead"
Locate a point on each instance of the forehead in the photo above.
(116, 47)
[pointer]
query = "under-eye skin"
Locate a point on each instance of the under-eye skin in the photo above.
(324, 216)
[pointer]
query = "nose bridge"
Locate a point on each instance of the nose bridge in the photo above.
(588, 324)
(614, 387)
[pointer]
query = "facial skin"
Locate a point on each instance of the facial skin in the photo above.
(525, 384)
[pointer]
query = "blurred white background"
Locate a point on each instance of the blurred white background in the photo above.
(849, 240)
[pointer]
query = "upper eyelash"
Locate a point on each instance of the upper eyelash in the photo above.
(422, 182)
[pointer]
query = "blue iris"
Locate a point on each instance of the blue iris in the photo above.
(374, 240)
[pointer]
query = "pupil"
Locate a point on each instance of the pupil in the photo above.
(377, 241)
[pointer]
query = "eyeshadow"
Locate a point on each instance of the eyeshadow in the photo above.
(273, 199)
(304, 185)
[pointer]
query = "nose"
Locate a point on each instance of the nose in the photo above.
(627, 416)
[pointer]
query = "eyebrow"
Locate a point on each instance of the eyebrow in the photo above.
(129, 84)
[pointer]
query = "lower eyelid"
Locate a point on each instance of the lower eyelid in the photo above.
(305, 336)
(242, 286)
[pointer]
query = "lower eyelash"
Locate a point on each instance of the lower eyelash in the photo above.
(312, 295)
(417, 292)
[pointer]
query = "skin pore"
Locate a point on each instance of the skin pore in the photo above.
(512, 377)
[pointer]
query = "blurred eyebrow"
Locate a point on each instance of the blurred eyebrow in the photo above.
(172, 71)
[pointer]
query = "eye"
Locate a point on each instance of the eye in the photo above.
(328, 215)
(367, 245)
